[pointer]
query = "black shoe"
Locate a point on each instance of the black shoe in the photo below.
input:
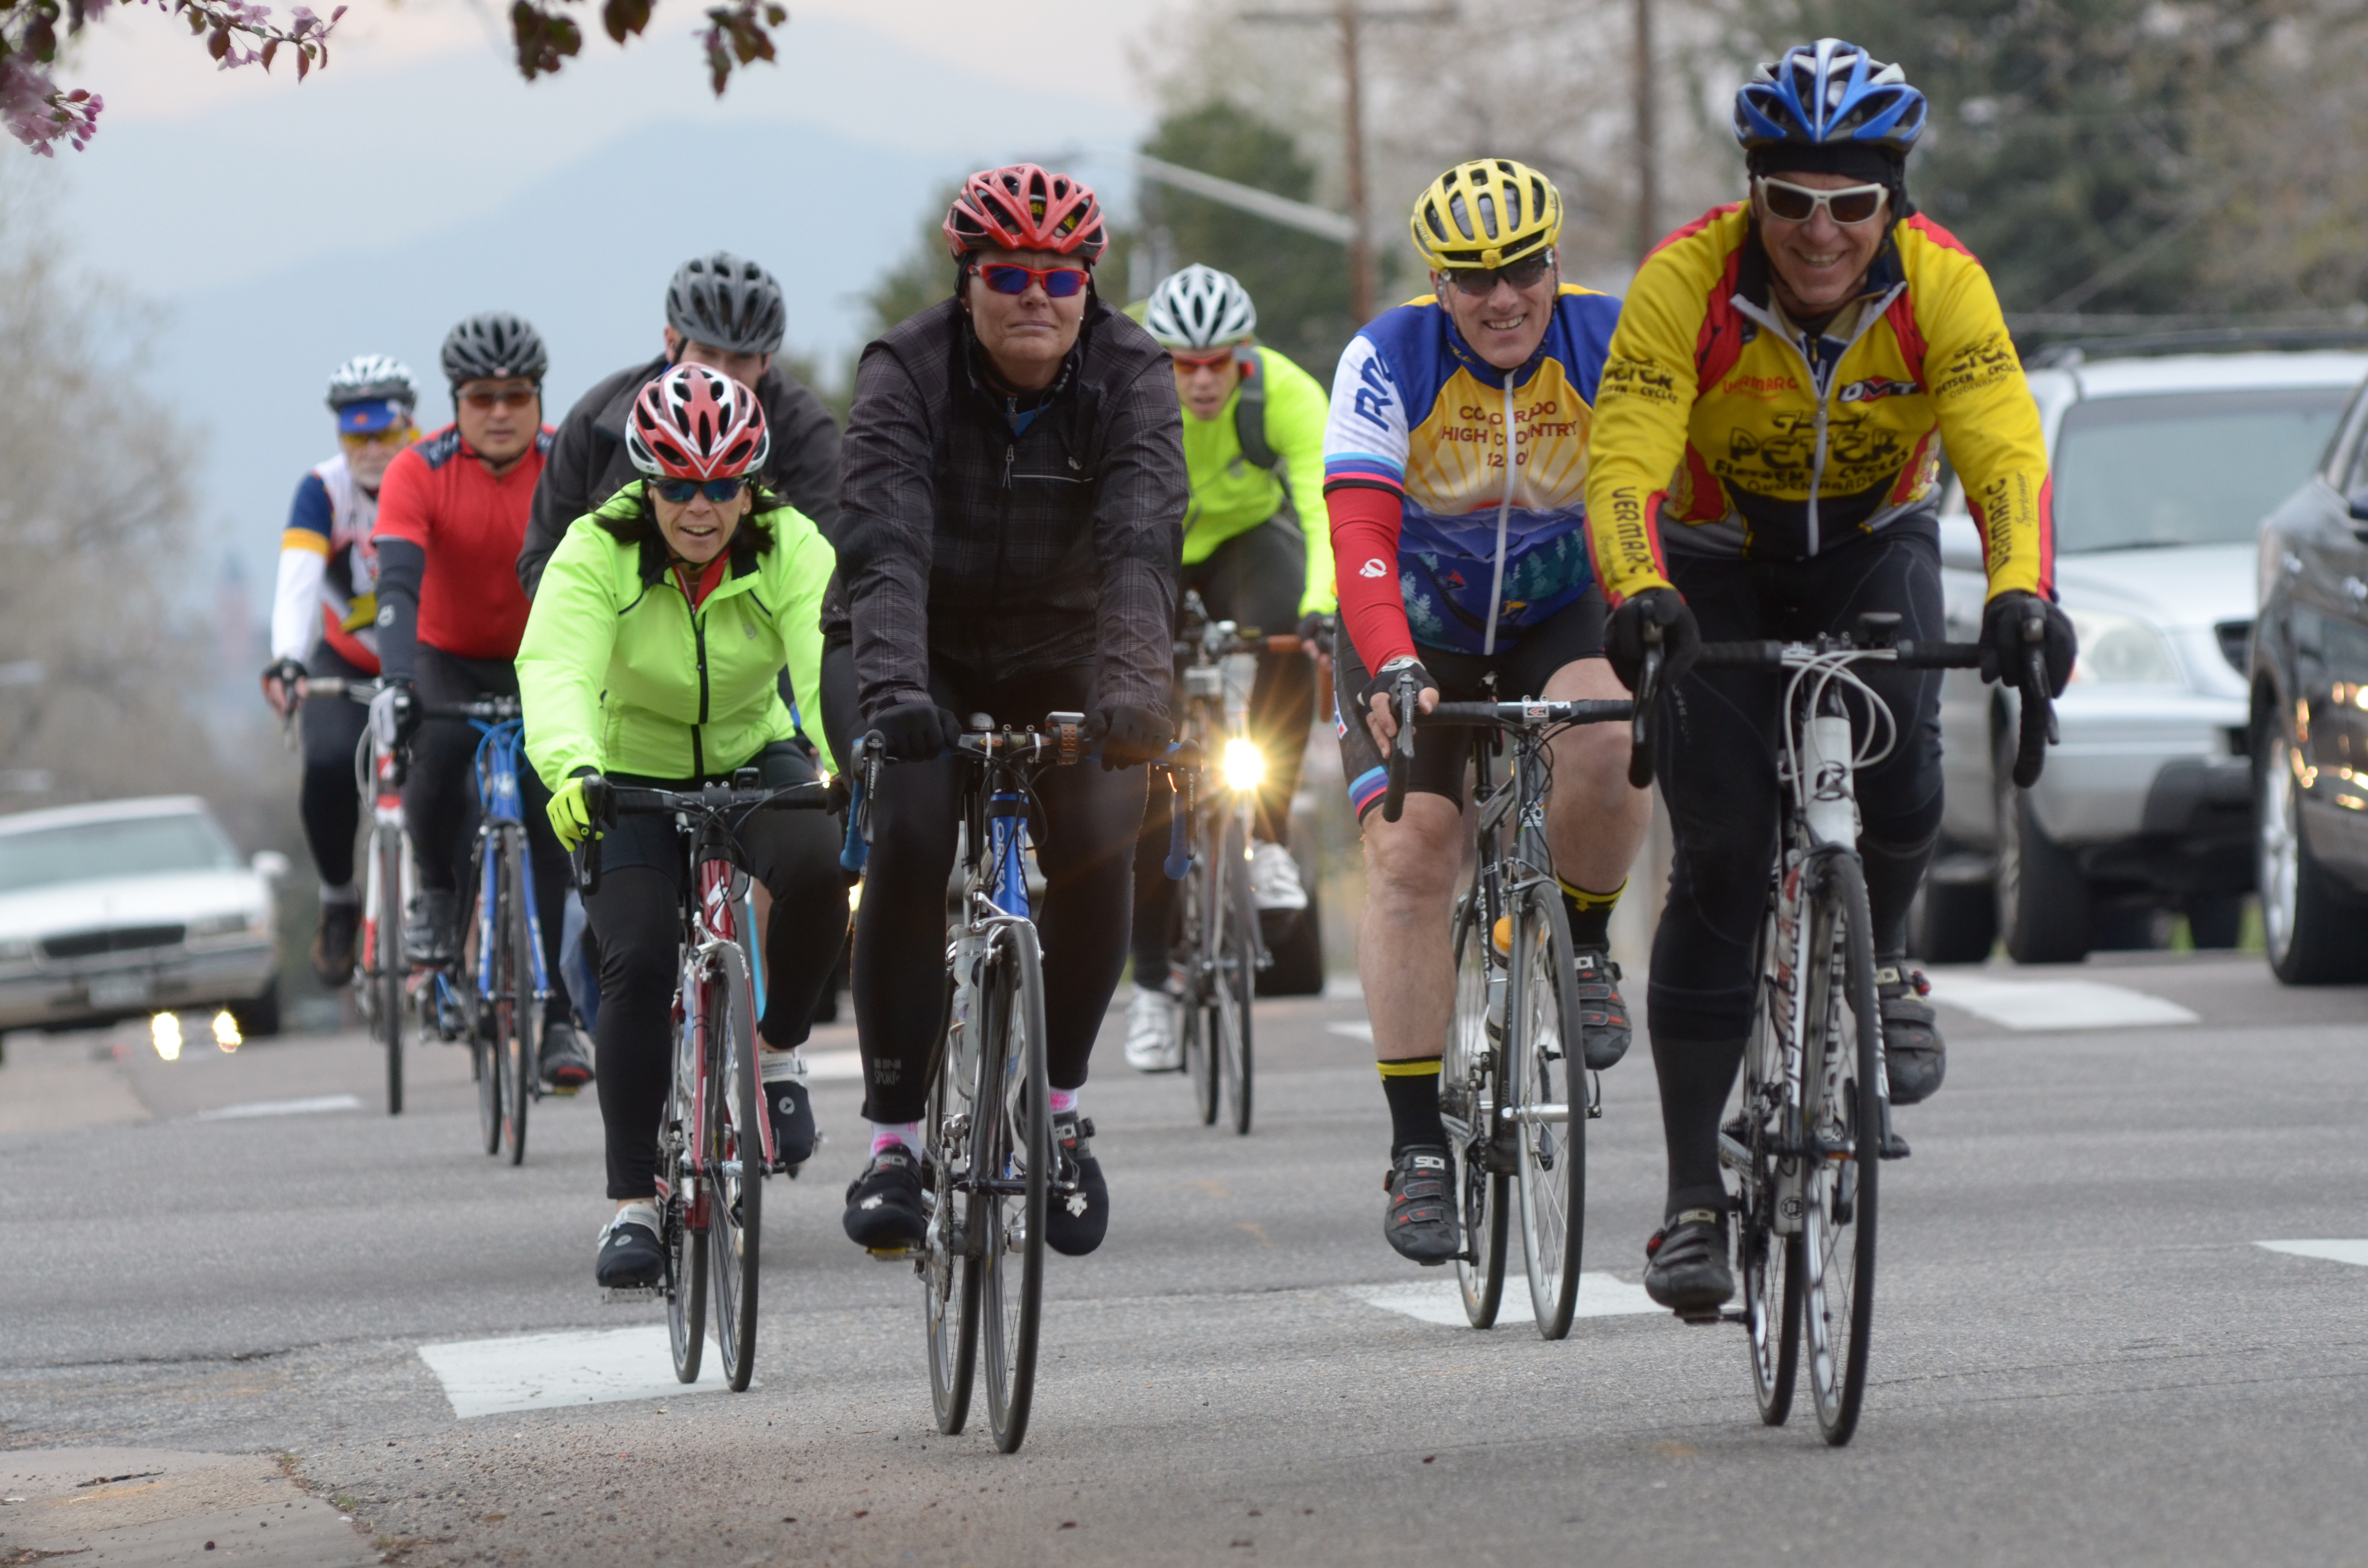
(564, 1066)
(631, 1255)
(1602, 1016)
(791, 1113)
(1685, 1263)
(431, 926)
(1914, 1059)
(1076, 1213)
(1422, 1219)
(884, 1205)
(332, 944)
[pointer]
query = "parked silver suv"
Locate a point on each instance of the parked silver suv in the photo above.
(2164, 465)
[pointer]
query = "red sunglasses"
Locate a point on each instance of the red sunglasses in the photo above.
(1214, 359)
(1010, 277)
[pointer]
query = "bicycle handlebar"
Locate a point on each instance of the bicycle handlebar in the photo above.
(1405, 696)
(490, 710)
(613, 800)
(1527, 715)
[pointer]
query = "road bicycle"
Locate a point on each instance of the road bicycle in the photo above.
(715, 1142)
(380, 968)
(988, 1170)
(1812, 1125)
(1513, 1088)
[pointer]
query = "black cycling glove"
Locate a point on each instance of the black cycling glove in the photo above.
(1624, 637)
(1129, 735)
(2003, 645)
(918, 732)
(1316, 632)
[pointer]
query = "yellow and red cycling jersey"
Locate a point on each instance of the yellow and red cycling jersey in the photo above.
(1719, 416)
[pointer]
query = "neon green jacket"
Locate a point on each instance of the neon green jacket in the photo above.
(617, 673)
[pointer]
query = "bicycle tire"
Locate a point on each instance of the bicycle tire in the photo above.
(1546, 1066)
(949, 1264)
(1840, 1106)
(387, 983)
(1768, 1260)
(514, 1004)
(1467, 1105)
(1012, 1136)
(685, 1237)
(1237, 974)
(735, 1163)
(1201, 1044)
(484, 1061)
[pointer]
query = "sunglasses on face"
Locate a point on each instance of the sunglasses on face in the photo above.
(393, 436)
(1481, 282)
(1852, 205)
(483, 400)
(1215, 360)
(681, 491)
(1010, 277)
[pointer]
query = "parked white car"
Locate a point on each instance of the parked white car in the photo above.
(133, 907)
(2163, 467)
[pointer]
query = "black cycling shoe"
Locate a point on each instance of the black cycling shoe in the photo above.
(631, 1257)
(565, 1068)
(332, 944)
(1914, 1059)
(1602, 1016)
(1420, 1221)
(1685, 1263)
(1076, 1213)
(431, 927)
(792, 1114)
(884, 1211)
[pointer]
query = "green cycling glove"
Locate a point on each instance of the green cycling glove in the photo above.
(576, 809)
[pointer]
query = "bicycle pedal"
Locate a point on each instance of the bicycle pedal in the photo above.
(1703, 1320)
(1436, 1262)
(892, 1255)
(1894, 1147)
(630, 1295)
(559, 1091)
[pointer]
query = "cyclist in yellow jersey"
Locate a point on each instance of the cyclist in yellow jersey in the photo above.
(1259, 551)
(1764, 465)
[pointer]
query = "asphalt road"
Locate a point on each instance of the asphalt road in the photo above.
(2082, 1353)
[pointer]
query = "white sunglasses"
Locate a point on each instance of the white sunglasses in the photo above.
(1850, 206)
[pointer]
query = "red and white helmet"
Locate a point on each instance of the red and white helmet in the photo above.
(694, 422)
(1021, 207)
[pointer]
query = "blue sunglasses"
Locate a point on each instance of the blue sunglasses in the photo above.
(680, 490)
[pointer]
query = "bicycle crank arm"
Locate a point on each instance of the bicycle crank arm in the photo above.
(1535, 1115)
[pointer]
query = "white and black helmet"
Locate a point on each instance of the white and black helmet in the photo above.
(367, 378)
(1200, 308)
(492, 347)
(726, 302)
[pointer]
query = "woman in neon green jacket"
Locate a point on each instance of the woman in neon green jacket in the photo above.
(653, 657)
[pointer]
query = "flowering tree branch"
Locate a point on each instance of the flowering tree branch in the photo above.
(738, 33)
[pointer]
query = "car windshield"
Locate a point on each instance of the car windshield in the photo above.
(132, 846)
(2191, 468)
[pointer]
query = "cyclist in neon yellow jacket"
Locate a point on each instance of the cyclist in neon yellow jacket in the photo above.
(1259, 551)
(651, 656)
(1764, 466)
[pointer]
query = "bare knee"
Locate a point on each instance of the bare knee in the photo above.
(1411, 864)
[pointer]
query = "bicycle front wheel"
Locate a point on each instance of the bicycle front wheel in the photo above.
(1842, 1116)
(1467, 1104)
(386, 984)
(1200, 926)
(1237, 973)
(1546, 1092)
(1767, 1252)
(1011, 1164)
(949, 1264)
(736, 1162)
(515, 1021)
(685, 1219)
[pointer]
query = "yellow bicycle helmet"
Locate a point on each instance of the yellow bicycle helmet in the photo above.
(1487, 212)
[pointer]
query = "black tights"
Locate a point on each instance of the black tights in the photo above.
(329, 803)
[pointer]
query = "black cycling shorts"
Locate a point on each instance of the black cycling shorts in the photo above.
(1521, 668)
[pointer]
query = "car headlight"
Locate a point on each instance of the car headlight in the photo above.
(15, 950)
(240, 922)
(1244, 765)
(2120, 649)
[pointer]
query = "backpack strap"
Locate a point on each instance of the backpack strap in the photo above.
(1250, 414)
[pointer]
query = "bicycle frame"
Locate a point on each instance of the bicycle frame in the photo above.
(503, 805)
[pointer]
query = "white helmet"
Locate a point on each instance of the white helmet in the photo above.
(372, 376)
(1200, 308)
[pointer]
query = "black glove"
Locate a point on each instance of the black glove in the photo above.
(395, 713)
(1623, 638)
(1129, 735)
(1316, 632)
(1384, 683)
(2003, 645)
(918, 732)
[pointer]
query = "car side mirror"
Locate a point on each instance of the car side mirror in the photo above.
(2358, 503)
(271, 864)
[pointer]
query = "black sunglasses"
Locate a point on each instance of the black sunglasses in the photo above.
(1479, 282)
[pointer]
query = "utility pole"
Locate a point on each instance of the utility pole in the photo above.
(1648, 224)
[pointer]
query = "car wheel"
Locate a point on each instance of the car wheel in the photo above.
(258, 1018)
(1953, 922)
(2314, 936)
(2042, 900)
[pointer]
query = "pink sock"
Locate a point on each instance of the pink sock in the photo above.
(1064, 1102)
(888, 1134)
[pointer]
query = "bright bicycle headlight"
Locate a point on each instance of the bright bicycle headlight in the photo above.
(1245, 765)
(2120, 649)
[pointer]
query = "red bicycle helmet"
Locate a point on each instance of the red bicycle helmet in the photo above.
(1021, 207)
(694, 422)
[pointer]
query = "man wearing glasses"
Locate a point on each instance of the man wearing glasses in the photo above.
(451, 517)
(323, 619)
(1454, 463)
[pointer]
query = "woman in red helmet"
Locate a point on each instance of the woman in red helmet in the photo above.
(651, 658)
(1012, 497)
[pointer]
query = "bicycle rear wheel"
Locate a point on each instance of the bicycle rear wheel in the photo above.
(1547, 1077)
(684, 1221)
(1237, 973)
(386, 984)
(1196, 1019)
(1467, 1095)
(1769, 1260)
(949, 1263)
(516, 1023)
(486, 1070)
(736, 1163)
(1841, 1112)
(1012, 1149)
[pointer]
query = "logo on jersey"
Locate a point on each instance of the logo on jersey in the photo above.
(1876, 388)
(1373, 568)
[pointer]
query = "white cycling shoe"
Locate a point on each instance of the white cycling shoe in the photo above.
(1152, 1045)
(1274, 877)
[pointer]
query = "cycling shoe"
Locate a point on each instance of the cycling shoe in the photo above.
(564, 1066)
(1076, 1214)
(884, 1211)
(1602, 1016)
(791, 1113)
(631, 1257)
(1913, 1057)
(1685, 1266)
(1420, 1221)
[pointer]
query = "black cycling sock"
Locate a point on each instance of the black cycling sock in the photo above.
(1695, 1076)
(1413, 1091)
(1591, 912)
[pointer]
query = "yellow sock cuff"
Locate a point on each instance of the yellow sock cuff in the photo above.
(1586, 901)
(1421, 1067)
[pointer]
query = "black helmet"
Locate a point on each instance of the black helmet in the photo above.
(726, 302)
(494, 346)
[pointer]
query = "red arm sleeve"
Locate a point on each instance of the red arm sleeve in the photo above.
(1364, 555)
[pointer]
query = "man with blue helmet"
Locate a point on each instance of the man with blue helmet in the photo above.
(1764, 465)
(1454, 464)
